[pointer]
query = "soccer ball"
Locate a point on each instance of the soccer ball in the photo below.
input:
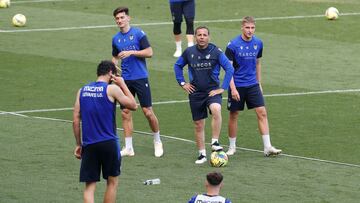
(218, 159)
(4, 3)
(19, 20)
(331, 13)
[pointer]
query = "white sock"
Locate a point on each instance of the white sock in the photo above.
(266, 141)
(178, 45)
(232, 142)
(190, 44)
(214, 140)
(128, 143)
(203, 152)
(157, 137)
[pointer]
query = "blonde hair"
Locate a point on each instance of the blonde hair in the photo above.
(247, 19)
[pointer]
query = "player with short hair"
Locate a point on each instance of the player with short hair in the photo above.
(180, 8)
(213, 184)
(204, 61)
(245, 51)
(98, 147)
(131, 46)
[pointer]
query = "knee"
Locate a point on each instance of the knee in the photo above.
(149, 114)
(112, 182)
(198, 125)
(233, 115)
(189, 26)
(261, 113)
(177, 28)
(215, 110)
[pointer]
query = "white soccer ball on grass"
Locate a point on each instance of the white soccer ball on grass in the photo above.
(332, 13)
(4, 3)
(19, 20)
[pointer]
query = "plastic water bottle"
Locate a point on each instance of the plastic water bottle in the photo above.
(155, 181)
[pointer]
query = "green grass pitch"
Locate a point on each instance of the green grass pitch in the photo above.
(310, 78)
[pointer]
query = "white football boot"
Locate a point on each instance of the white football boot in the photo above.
(201, 159)
(272, 151)
(231, 151)
(127, 152)
(158, 147)
(178, 53)
(216, 147)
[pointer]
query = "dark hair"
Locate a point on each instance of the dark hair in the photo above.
(120, 10)
(105, 67)
(202, 27)
(214, 178)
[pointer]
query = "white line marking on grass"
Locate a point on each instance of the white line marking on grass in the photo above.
(184, 101)
(168, 23)
(191, 141)
(13, 113)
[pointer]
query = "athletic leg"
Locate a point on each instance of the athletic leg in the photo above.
(111, 188)
(154, 125)
(264, 131)
(176, 13)
(216, 120)
(232, 131)
(127, 124)
(200, 140)
(152, 119)
(89, 192)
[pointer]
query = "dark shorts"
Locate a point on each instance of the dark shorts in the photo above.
(103, 156)
(251, 95)
(200, 102)
(178, 9)
(141, 88)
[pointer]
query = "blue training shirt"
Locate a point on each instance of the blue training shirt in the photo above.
(132, 67)
(97, 114)
(244, 55)
(204, 68)
(207, 198)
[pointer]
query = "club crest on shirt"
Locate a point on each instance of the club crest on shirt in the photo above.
(199, 57)
(192, 55)
(255, 46)
(207, 56)
(241, 47)
(131, 37)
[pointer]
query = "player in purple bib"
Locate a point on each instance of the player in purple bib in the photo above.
(97, 143)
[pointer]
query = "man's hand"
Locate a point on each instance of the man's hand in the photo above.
(77, 151)
(189, 88)
(125, 54)
(118, 80)
(235, 95)
(215, 92)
